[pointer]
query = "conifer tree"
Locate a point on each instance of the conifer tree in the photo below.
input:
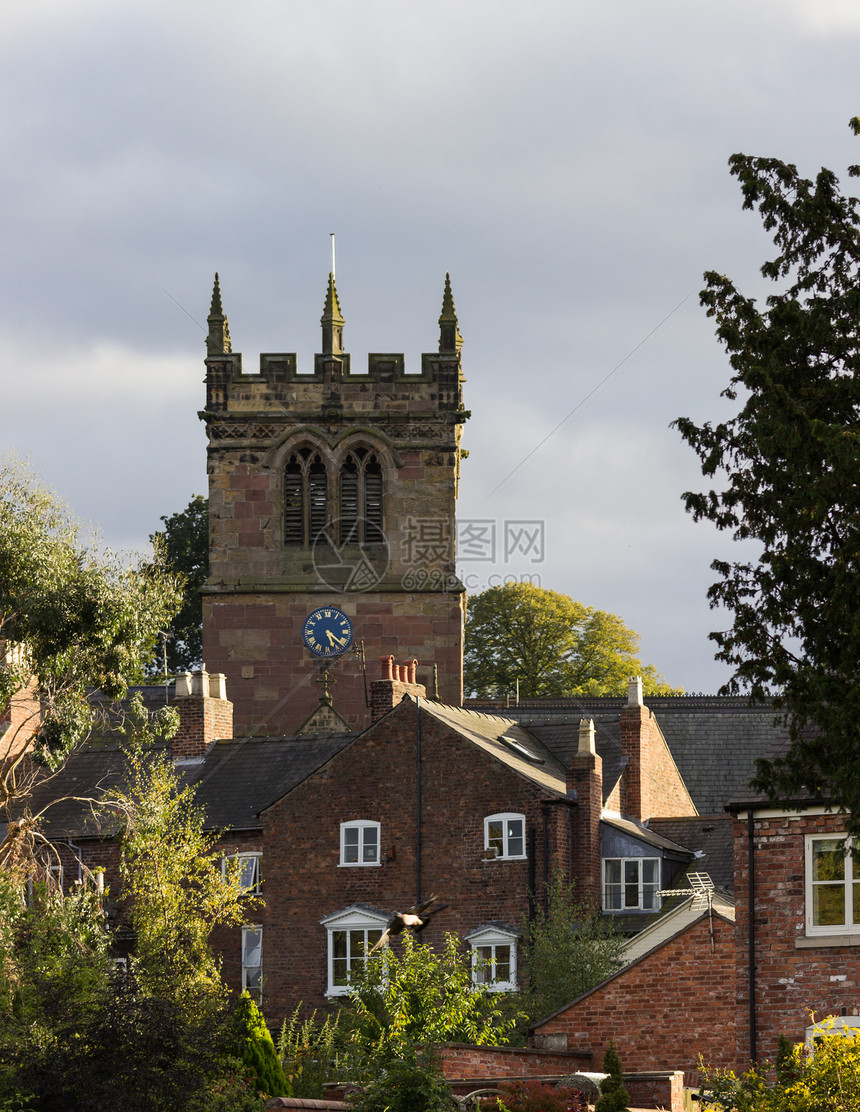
(255, 1047)
(613, 1096)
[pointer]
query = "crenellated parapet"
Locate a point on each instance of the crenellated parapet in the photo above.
(332, 482)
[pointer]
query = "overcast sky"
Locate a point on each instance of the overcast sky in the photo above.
(566, 161)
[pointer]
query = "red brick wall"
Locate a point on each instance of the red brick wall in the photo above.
(466, 1061)
(19, 722)
(790, 982)
(375, 779)
(651, 785)
(664, 1010)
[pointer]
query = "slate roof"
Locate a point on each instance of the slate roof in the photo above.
(648, 834)
(558, 731)
(238, 779)
(710, 838)
(714, 739)
(88, 774)
(234, 782)
(506, 740)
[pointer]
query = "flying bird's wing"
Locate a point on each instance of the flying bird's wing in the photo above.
(383, 941)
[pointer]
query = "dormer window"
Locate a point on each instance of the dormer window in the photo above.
(494, 958)
(352, 934)
(506, 835)
(359, 843)
(631, 884)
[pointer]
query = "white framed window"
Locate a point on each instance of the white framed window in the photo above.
(631, 884)
(832, 885)
(250, 870)
(494, 959)
(351, 934)
(252, 961)
(359, 843)
(506, 834)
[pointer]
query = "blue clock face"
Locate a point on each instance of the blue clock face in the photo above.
(327, 631)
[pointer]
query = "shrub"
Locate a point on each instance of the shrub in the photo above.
(613, 1096)
(827, 1080)
(255, 1048)
(536, 1096)
(308, 1053)
(412, 1083)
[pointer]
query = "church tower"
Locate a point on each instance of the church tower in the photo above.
(331, 490)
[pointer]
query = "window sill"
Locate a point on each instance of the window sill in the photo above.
(813, 941)
(359, 865)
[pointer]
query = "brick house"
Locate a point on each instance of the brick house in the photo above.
(339, 829)
(788, 964)
(664, 1009)
(798, 922)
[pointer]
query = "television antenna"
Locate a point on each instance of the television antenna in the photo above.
(702, 890)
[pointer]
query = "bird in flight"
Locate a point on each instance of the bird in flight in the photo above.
(415, 920)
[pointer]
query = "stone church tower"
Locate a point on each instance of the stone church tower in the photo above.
(331, 488)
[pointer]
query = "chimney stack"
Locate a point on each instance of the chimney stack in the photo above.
(396, 681)
(205, 714)
(585, 786)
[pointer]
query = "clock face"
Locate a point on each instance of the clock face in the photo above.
(327, 631)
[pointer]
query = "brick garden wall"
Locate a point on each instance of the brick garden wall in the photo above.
(462, 1060)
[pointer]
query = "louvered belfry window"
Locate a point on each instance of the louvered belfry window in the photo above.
(309, 498)
(305, 497)
(361, 498)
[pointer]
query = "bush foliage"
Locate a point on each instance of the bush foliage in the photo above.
(827, 1080)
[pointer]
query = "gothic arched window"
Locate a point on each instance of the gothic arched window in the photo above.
(361, 498)
(305, 497)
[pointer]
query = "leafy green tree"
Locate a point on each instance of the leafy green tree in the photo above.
(184, 545)
(172, 879)
(72, 619)
(551, 644)
(613, 1096)
(254, 1046)
(78, 1034)
(788, 466)
(569, 948)
(418, 998)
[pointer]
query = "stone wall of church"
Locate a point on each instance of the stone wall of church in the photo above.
(398, 584)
